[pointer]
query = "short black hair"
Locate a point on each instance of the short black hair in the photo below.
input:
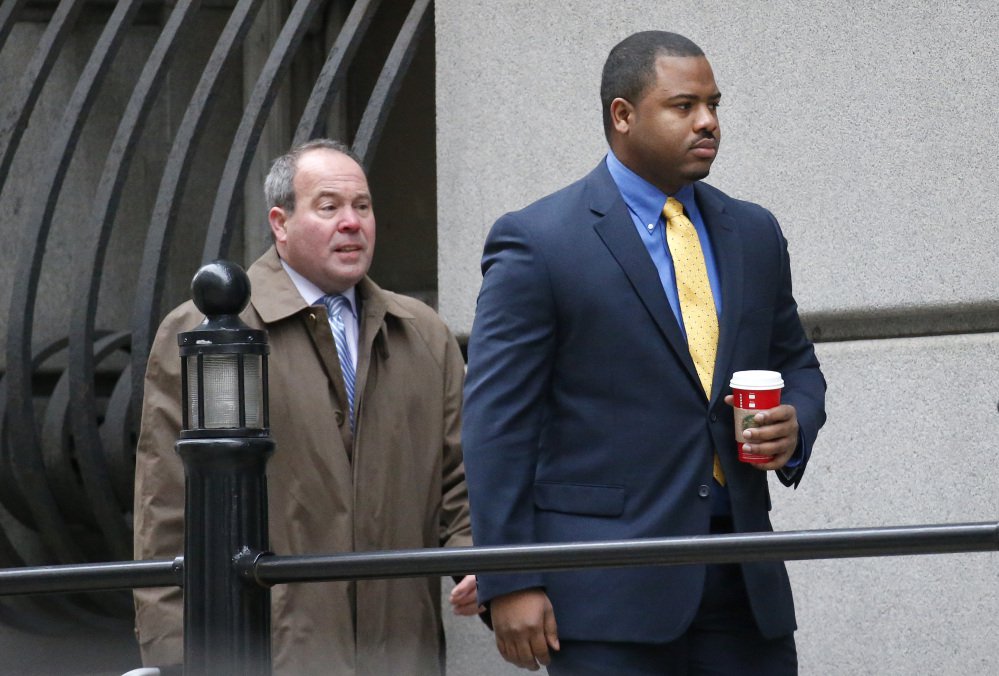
(631, 66)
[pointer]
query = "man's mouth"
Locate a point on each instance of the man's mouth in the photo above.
(705, 148)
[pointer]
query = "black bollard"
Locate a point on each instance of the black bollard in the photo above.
(225, 444)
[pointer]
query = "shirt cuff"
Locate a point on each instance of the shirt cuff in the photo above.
(790, 470)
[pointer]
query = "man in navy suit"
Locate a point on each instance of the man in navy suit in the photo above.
(586, 418)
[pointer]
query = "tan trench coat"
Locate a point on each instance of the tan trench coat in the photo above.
(398, 484)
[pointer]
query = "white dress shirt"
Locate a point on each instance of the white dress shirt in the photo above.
(312, 295)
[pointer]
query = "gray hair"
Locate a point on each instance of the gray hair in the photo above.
(279, 186)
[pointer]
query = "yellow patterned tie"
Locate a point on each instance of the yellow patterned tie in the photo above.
(697, 304)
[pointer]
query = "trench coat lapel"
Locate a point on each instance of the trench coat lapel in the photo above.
(372, 341)
(370, 328)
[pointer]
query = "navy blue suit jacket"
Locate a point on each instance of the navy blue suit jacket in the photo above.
(584, 418)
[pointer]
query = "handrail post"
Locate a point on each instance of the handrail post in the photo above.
(225, 445)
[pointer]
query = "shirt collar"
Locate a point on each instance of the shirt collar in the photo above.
(311, 293)
(644, 200)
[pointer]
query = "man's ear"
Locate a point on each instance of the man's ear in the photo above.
(621, 113)
(277, 218)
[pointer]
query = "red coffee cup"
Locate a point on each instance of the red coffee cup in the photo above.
(753, 391)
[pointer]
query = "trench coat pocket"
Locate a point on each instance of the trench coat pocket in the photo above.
(585, 499)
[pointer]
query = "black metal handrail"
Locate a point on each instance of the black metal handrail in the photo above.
(72, 577)
(741, 547)
(273, 569)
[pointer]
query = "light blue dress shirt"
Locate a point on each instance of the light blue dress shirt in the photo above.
(645, 204)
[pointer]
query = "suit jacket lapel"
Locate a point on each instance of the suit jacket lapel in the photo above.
(727, 244)
(617, 231)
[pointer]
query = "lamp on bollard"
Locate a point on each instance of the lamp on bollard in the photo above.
(223, 361)
(225, 443)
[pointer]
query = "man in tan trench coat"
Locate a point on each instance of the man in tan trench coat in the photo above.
(390, 478)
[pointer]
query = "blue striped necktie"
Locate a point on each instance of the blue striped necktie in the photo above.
(335, 306)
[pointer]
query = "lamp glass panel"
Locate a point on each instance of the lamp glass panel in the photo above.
(221, 389)
(253, 390)
(191, 364)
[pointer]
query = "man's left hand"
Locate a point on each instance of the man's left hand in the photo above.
(464, 597)
(776, 435)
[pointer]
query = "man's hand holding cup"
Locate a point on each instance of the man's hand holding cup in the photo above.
(766, 432)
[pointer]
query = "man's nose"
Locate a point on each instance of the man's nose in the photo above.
(707, 119)
(349, 220)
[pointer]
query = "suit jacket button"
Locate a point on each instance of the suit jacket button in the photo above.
(703, 491)
(338, 416)
(714, 417)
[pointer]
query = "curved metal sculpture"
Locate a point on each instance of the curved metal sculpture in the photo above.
(67, 449)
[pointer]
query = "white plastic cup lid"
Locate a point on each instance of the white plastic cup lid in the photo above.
(756, 380)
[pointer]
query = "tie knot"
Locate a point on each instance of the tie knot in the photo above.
(335, 305)
(673, 208)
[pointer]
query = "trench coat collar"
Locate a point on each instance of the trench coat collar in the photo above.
(275, 297)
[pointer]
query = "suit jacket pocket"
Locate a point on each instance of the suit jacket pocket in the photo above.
(588, 499)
